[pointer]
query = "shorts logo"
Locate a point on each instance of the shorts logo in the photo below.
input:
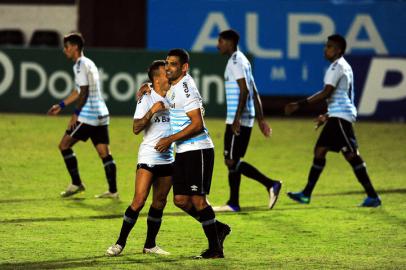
(193, 188)
(225, 152)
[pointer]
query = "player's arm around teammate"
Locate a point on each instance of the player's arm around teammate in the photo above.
(154, 169)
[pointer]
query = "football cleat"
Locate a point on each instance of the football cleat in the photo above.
(226, 208)
(222, 231)
(274, 193)
(299, 197)
(114, 250)
(371, 202)
(155, 250)
(72, 190)
(210, 254)
(108, 195)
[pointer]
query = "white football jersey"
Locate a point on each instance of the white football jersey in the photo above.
(341, 102)
(184, 97)
(159, 127)
(238, 67)
(95, 111)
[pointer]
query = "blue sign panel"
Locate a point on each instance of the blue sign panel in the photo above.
(380, 87)
(286, 38)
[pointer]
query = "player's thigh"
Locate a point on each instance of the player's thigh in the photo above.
(67, 142)
(102, 149)
(160, 189)
(143, 182)
(100, 139)
(235, 146)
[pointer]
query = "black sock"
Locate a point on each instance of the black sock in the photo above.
(314, 174)
(208, 221)
(251, 172)
(110, 169)
(234, 180)
(154, 221)
(72, 165)
(193, 213)
(360, 171)
(129, 220)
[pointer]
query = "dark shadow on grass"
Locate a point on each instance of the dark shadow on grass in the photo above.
(58, 219)
(94, 262)
(385, 191)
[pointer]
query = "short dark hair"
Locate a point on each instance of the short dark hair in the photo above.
(154, 67)
(181, 53)
(340, 41)
(75, 38)
(230, 34)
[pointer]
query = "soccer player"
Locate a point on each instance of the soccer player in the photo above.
(154, 168)
(243, 104)
(338, 134)
(194, 158)
(89, 120)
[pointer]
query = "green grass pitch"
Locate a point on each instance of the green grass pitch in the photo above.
(39, 230)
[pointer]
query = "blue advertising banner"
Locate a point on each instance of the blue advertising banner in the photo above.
(286, 37)
(380, 87)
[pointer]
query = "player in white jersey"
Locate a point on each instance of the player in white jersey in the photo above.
(194, 159)
(89, 120)
(154, 168)
(338, 134)
(243, 104)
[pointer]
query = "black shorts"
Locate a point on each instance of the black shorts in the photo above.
(160, 170)
(338, 135)
(82, 131)
(236, 146)
(192, 172)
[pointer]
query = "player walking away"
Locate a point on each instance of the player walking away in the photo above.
(338, 134)
(154, 168)
(243, 104)
(89, 120)
(194, 159)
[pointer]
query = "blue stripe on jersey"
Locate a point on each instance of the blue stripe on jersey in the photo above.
(195, 139)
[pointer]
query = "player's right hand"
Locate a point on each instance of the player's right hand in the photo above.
(144, 89)
(54, 110)
(320, 120)
(159, 106)
(291, 108)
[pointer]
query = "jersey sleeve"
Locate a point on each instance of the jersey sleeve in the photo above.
(191, 96)
(237, 69)
(142, 107)
(81, 78)
(333, 75)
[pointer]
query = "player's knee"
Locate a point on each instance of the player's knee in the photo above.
(353, 158)
(199, 202)
(138, 203)
(159, 203)
(180, 202)
(63, 146)
(320, 153)
(231, 164)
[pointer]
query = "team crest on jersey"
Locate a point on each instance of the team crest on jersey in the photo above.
(186, 89)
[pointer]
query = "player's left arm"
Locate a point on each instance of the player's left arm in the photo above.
(81, 100)
(242, 100)
(195, 127)
(259, 113)
(316, 98)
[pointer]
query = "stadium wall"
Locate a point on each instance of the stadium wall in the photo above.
(31, 80)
